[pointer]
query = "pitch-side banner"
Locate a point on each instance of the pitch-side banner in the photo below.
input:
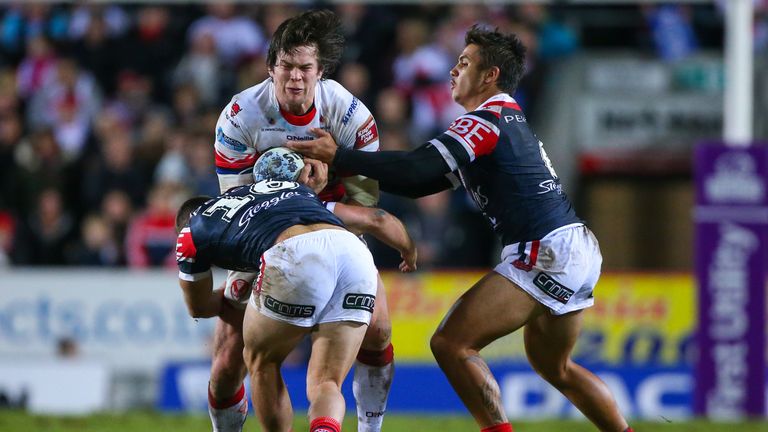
(638, 318)
(123, 319)
(731, 260)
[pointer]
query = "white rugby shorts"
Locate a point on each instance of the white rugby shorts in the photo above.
(318, 277)
(560, 270)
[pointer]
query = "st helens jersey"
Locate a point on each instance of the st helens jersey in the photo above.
(504, 167)
(253, 122)
(233, 230)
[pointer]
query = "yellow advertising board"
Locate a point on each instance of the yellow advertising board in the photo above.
(638, 318)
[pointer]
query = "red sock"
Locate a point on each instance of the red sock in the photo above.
(227, 402)
(501, 427)
(376, 358)
(325, 424)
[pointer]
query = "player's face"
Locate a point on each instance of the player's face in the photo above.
(295, 75)
(466, 76)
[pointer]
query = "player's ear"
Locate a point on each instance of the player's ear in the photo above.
(492, 75)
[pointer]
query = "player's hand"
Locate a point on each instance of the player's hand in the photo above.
(322, 148)
(314, 174)
(409, 261)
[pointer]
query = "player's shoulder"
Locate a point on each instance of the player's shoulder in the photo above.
(334, 97)
(494, 106)
(246, 107)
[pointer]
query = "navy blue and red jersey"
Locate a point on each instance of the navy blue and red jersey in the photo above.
(503, 165)
(233, 230)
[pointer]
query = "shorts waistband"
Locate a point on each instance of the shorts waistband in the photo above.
(319, 233)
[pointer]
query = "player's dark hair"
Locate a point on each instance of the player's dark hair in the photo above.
(504, 51)
(186, 209)
(318, 28)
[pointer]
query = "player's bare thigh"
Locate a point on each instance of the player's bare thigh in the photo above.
(334, 347)
(492, 308)
(379, 333)
(268, 340)
(549, 340)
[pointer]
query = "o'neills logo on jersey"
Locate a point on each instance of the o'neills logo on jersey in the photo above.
(359, 301)
(299, 138)
(367, 134)
(287, 309)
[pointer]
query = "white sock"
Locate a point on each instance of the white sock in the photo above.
(371, 389)
(231, 418)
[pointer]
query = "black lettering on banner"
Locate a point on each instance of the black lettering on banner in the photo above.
(359, 301)
(287, 309)
(552, 288)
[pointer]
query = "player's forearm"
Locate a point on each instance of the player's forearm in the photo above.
(402, 170)
(391, 231)
(201, 300)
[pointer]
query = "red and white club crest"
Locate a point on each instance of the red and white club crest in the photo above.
(234, 110)
(240, 289)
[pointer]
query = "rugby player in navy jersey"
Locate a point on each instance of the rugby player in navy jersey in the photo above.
(297, 96)
(550, 262)
(315, 277)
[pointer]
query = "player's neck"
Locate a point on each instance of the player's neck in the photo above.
(297, 110)
(478, 98)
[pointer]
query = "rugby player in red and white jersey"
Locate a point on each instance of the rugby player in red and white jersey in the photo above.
(550, 262)
(293, 104)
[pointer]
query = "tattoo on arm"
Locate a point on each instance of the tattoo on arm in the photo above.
(490, 392)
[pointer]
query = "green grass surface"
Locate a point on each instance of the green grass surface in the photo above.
(12, 421)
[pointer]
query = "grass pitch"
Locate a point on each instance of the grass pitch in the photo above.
(13, 421)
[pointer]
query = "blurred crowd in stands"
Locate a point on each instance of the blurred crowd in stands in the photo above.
(107, 112)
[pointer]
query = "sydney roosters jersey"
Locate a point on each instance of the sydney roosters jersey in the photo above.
(253, 122)
(503, 165)
(233, 230)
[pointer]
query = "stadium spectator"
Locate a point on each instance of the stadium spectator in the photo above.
(237, 38)
(115, 19)
(67, 103)
(46, 236)
(117, 210)
(37, 67)
(150, 238)
(550, 261)
(151, 48)
(97, 246)
(201, 67)
(420, 70)
(40, 166)
(116, 168)
(99, 51)
(20, 23)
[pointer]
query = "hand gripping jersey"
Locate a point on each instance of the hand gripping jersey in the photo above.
(253, 122)
(233, 230)
(504, 166)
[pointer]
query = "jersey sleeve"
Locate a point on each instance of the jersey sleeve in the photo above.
(355, 128)
(191, 267)
(354, 125)
(470, 136)
(235, 152)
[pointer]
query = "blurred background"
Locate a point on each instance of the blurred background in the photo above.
(107, 115)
